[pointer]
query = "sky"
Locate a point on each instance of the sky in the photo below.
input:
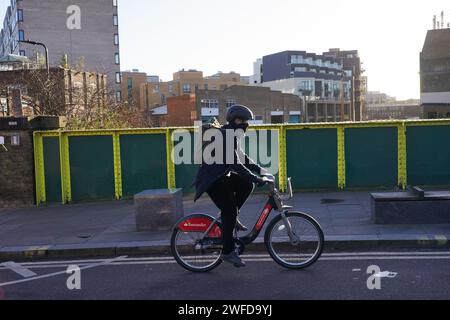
(161, 37)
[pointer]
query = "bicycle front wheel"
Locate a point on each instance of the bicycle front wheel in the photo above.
(299, 250)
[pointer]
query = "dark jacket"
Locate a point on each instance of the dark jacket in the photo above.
(208, 174)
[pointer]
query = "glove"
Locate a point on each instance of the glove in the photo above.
(261, 182)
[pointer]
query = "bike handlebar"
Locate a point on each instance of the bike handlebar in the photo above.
(284, 197)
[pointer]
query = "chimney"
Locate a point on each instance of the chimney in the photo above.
(434, 22)
(442, 20)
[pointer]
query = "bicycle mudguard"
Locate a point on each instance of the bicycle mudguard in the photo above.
(200, 223)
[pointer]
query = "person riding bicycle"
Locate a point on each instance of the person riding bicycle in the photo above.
(230, 184)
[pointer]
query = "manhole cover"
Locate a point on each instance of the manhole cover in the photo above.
(331, 201)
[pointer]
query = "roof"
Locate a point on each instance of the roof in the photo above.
(160, 111)
(14, 58)
(437, 44)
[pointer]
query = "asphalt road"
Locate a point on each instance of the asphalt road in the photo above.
(402, 275)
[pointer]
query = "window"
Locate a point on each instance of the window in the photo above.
(186, 88)
(116, 39)
(294, 118)
(210, 103)
(22, 53)
(114, 3)
(118, 77)
(20, 15)
(170, 87)
(206, 86)
(117, 58)
(115, 20)
(230, 103)
(21, 35)
(118, 96)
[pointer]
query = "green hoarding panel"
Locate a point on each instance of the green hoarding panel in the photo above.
(312, 158)
(185, 168)
(371, 156)
(144, 163)
(92, 168)
(52, 169)
(428, 155)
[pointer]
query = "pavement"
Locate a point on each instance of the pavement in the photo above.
(108, 228)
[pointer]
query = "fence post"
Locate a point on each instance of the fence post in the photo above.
(64, 154)
(41, 196)
(402, 156)
(171, 180)
(117, 165)
(341, 157)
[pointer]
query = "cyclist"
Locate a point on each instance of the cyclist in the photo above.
(230, 184)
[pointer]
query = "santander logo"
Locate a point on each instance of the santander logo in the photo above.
(197, 225)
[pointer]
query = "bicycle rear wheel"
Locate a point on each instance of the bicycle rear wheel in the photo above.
(192, 248)
(298, 253)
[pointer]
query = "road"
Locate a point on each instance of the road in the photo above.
(404, 275)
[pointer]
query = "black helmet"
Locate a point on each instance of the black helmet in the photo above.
(239, 112)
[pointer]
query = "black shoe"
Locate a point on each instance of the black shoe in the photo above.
(234, 259)
(240, 226)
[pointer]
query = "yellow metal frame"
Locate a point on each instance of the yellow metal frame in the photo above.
(341, 157)
(66, 186)
(171, 169)
(402, 157)
(41, 196)
(171, 180)
(117, 166)
(282, 174)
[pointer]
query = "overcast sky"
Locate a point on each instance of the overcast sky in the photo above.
(163, 36)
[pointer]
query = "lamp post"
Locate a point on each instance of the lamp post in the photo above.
(47, 65)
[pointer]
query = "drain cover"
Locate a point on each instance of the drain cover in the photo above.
(331, 201)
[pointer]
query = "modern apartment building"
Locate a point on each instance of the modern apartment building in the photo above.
(435, 74)
(84, 33)
(325, 82)
(352, 65)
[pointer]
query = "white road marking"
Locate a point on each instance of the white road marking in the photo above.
(325, 255)
(105, 262)
(19, 269)
(247, 258)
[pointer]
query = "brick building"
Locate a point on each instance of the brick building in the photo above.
(268, 106)
(179, 112)
(146, 93)
(24, 92)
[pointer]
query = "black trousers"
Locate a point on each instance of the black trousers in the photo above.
(229, 194)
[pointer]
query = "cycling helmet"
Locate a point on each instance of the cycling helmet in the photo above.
(239, 112)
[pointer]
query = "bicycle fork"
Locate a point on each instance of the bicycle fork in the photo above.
(295, 240)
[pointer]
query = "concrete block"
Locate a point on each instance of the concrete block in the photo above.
(158, 210)
(409, 208)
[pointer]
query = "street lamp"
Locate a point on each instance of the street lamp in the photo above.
(46, 53)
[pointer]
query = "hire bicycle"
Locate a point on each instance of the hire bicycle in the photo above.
(294, 240)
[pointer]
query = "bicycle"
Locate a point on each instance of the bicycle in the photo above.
(196, 241)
